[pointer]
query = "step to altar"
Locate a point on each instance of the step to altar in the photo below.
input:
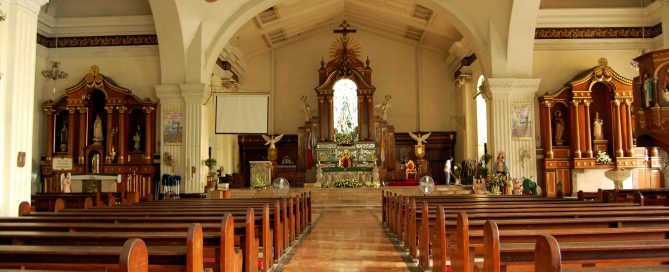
(358, 198)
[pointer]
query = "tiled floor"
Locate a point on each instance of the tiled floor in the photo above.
(347, 240)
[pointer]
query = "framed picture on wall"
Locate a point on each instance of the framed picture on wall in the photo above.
(172, 128)
(521, 124)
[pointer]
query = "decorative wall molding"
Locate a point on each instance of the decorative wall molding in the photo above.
(96, 41)
(602, 17)
(598, 32)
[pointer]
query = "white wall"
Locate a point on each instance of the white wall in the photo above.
(399, 69)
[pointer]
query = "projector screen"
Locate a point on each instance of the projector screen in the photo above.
(242, 113)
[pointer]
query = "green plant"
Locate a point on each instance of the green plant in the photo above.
(210, 163)
(496, 180)
(602, 157)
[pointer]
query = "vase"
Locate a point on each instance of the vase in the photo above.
(494, 190)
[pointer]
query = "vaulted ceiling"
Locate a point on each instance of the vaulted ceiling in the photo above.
(405, 21)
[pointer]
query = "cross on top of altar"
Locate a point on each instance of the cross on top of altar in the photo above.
(344, 29)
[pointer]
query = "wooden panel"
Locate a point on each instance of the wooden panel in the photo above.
(551, 181)
(564, 175)
(555, 164)
(253, 148)
(562, 152)
(440, 146)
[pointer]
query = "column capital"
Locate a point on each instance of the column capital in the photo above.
(109, 109)
(513, 86)
(575, 103)
(616, 102)
(121, 109)
(148, 109)
(32, 5)
(167, 92)
(49, 111)
(547, 104)
(628, 102)
(587, 102)
(193, 93)
(71, 110)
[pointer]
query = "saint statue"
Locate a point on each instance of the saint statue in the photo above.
(66, 182)
(97, 130)
(500, 166)
(559, 128)
(648, 91)
(447, 170)
(597, 127)
(137, 138)
(63, 137)
(95, 164)
(665, 92)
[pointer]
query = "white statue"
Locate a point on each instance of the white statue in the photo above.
(597, 127)
(272, 140)
(97, 130)
(307, 109)
(384, 107)
(420, 140)
(517, 187)
(447, 170)
(66, 183)
(479, 186)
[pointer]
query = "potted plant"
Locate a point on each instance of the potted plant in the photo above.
(210, 162)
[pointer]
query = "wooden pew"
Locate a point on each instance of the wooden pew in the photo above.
(95, 215)
(521, 210)
(131, 257)
(155, 236)
(548, 258)
(268, 239)
(493, 236)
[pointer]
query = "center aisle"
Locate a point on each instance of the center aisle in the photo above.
(347, 240)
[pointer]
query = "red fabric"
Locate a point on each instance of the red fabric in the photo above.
(406, 182)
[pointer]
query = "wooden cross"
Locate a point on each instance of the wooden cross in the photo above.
(344, 29)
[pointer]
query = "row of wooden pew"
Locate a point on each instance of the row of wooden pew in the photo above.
(180, 235)
(643, 197)
(502, 231)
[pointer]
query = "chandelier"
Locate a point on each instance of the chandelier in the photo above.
(54, 72)
(3, 16)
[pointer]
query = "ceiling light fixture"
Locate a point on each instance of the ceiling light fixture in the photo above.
(3, 15)
(54, 72)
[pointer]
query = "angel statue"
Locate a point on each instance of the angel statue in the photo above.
(420, 140)
(384, 107)
(272, 140)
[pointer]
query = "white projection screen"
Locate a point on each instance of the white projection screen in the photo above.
(242, 113)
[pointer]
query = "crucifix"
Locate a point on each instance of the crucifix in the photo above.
(344, 29)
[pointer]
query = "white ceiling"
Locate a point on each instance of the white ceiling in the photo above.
(550, 4)
(394, 19)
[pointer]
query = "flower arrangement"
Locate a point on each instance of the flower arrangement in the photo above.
(347, 183)
(494, 182)
(602, 157)
(346, 138)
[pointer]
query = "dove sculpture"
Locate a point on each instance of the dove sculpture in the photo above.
(272, 140)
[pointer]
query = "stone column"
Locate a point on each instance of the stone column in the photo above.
(83, 128)
(49, 127)
(370, 117)
(330, 118)
(588, 130)
(17, 99)
(549, 131)
(195, 137)
(360, 117)
(618, 128)
(630, 137)
(147, 137)
(122, 147)
(70, 136)
(508, 93)
(110, 127)
(171, 102)
(576, 136)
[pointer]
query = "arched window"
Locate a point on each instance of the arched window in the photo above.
(481, 118)
(345, 103)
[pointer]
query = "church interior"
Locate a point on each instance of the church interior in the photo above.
(376, 112)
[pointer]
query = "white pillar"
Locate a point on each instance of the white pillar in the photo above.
(195, 137)
(171, 103)
(17, 99)
(509, 93)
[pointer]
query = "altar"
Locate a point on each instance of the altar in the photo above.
(355, 164)
(94, 183)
